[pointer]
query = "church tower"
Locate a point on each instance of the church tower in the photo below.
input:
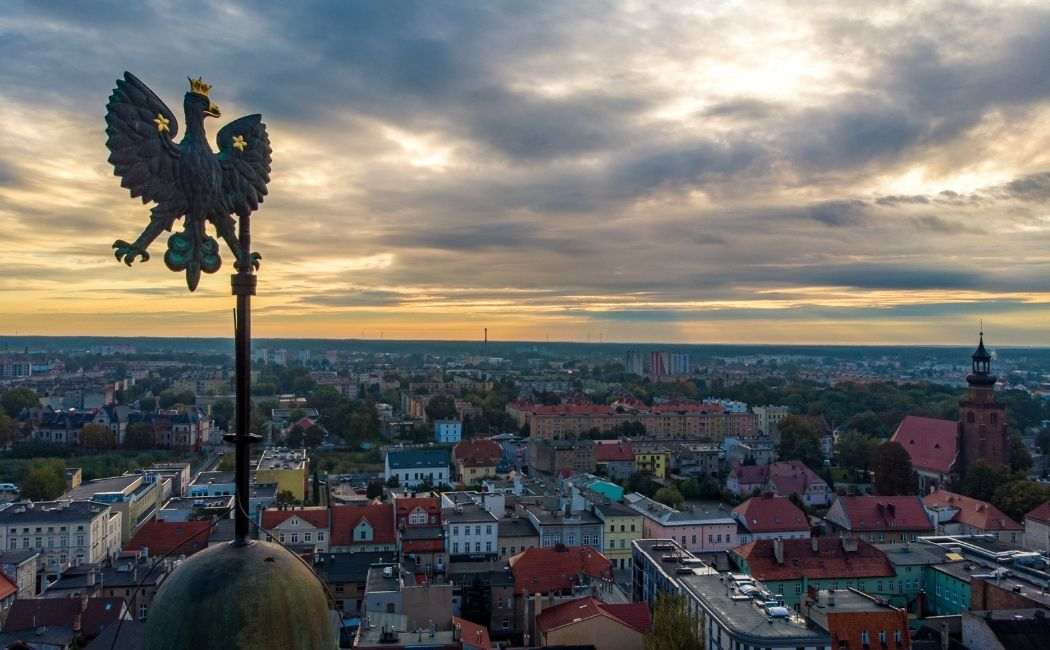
(982, 420)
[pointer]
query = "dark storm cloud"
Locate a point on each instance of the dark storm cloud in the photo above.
(887, 276)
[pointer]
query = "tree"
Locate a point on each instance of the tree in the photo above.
(313, 436)
(222, 411)
(375, 490)
(441, 407)
(669, 496)
(148, 404)
(800, 440)
(982, 480)
(170, 398)
(285, 498)
(642, 483)
(673, 627)
(8, 430)
(45, 481)
(894, 475)
(854, 451)
(97, 436)
(1018, 498)
(1020, 459)
(139, 435)
(1042, 441)
(17, 399)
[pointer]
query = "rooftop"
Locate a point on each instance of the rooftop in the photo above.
(282, 458)
(417, 458)
(745, 619)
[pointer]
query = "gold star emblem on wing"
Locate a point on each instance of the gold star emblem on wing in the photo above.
(238, 143)
(162, 123)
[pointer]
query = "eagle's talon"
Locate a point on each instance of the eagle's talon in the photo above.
(127, 253)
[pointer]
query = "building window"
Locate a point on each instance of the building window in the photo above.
(477, 547)
(864, 638)
(455, 547)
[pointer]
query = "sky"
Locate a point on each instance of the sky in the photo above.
(701, 172)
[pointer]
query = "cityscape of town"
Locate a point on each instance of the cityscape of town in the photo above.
(483, 495)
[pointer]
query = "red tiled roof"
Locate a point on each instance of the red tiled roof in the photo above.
(543, 570)
(176, 537)
(423, 545)
(31, 613)
(7, 588)
(792, 477)
(316, 516)
(379, 515)
(471, 634)
(1040, 513)
(972, 512)
(99, 613)
(686, 407)
(608, 452)
(878, 513)
(477, 453)
(751, 474)
(931, 443)
(407, 505)
(633, 615)
(770, 514)
(829, 561)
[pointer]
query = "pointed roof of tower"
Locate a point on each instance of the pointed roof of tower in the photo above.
(981, 354)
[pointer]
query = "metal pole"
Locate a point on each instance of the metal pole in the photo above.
(243, 283)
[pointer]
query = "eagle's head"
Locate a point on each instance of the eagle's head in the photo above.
(197, 101)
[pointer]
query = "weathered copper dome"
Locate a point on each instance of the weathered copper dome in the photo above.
(258, 596)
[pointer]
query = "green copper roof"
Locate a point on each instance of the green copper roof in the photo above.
(259, 596)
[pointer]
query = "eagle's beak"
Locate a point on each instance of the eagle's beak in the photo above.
(213, 110)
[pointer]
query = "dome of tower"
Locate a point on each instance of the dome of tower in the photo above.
(259, 596)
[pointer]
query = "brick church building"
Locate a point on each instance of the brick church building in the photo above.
(941, 450)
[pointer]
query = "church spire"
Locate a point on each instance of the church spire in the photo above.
(982, 365)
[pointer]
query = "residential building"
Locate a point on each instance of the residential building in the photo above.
(448, 431)
(287, 468)
(471, 635)
(653, 461)
(770, 517)
(699, 528)
(476, 460)
(21, 568)
(590, 622)
(659, 566)
(554, 456)
(854, 619)
(560, 570)
(957, 514)
(789, 567)
(420, 535)
(305, 530)
(769, 417)
(346, 575)
(728, 617)
(368, 528)
(668, 421)
(212, 484)
(131, 495)
(173, 539)
(191, 508)
(516, 534)
(1037, 528)
(879, 519)
(566, 527)
(621, 526)
(65, 533)
(471, 532)
(415, 467)
(1009, 629)
(634, 363)
(614, 458)
(783, 478)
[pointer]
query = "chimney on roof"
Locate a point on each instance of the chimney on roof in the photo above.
(814, 543)
(778, 550)
(850, 544)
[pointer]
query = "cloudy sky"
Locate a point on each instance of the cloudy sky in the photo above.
(694, 172)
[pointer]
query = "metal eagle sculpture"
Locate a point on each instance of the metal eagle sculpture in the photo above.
(186, 179)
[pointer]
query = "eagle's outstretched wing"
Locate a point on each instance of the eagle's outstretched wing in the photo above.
(244, 150)
(141, 129)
